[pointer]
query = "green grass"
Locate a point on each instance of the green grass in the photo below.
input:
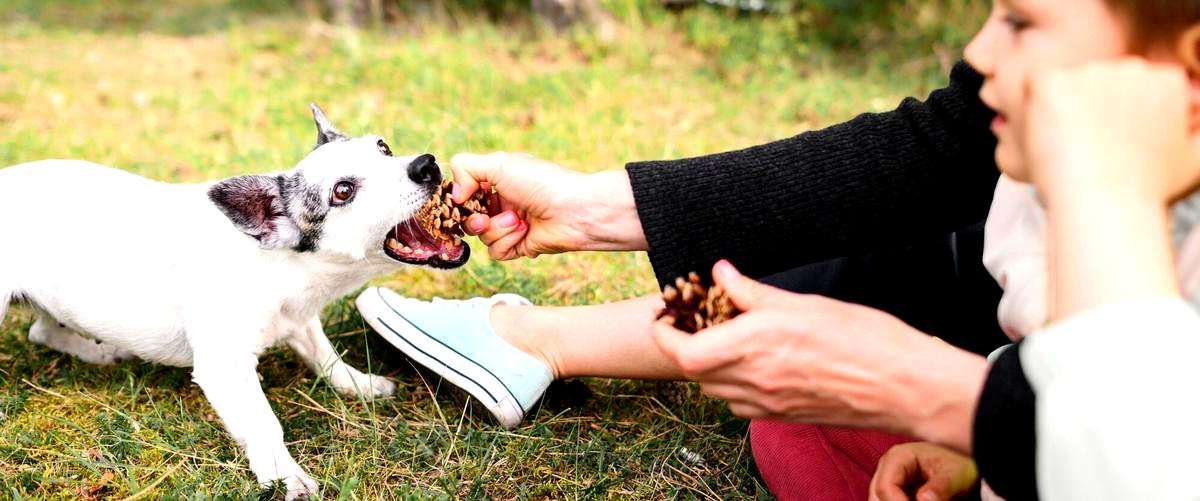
(191, 90)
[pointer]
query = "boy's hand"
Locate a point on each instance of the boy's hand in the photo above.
(1110, 145)
(1117, 129)
(935, 474)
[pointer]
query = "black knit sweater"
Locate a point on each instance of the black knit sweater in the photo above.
(881, 180)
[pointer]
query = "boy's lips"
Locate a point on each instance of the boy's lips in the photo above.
(999, 122)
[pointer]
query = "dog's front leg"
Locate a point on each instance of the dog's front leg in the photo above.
(230, 382)
(314, 347)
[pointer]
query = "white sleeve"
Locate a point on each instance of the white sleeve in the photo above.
(1118, 408)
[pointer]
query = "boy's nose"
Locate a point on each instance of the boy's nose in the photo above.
(424, 170)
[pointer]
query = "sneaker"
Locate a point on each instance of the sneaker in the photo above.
(454, 338)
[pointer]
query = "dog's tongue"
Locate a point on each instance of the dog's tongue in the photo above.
(415, 243)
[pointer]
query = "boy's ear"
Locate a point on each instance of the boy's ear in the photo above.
(1188, 51)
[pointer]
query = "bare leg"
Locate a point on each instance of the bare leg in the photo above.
(611, 340)
(314, 347)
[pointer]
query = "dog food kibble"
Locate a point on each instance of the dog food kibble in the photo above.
(692, 307)
(444, 219)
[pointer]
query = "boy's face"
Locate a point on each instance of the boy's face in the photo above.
(1023, 37)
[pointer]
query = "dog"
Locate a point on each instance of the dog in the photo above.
(210, 275)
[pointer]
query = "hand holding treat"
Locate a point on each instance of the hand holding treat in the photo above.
(445, 219)
(692, 307)
(546, 208)
(799, 357)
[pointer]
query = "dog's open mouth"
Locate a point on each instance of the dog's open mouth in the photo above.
(409, 243)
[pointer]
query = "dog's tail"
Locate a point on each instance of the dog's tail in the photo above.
(5, 296)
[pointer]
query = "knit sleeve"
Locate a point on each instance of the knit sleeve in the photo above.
(879, 180)
(1004, 441)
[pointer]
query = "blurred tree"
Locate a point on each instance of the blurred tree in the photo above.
(562, 14)
(357, 12)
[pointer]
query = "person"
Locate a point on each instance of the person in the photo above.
(872, 366)
(915, 185)
(1064, 127)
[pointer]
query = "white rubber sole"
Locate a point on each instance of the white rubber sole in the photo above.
(441, 359)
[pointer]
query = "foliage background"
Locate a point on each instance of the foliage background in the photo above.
(188, 90)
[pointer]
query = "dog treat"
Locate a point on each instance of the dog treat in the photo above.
(692, 307)
(444, 219)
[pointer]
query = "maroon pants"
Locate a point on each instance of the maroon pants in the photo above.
(806, 462)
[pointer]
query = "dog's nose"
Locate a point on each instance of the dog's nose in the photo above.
(424, 170)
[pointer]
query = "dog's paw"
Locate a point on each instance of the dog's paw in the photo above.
(368, 386)
(371, 386)
(301, 486)
(298, 485)
(381, 386)
(107, 354)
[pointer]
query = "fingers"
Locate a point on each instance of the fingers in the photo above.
(748, 410)
(507, 246)
(477, 223)
(896, 469)
(699, 354)
(501, 233)
(746, 293)
(731, 391)
(936, 488)
(471, 169)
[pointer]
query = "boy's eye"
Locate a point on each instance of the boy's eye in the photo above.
(1016, 22)
(383, 148)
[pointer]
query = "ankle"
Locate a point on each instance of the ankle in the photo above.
(518, 325)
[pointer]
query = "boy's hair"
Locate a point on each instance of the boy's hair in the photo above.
(1157, 21)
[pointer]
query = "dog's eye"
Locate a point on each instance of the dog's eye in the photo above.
(342, 193)
(383, 148)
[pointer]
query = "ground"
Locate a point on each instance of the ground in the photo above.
(188, 90)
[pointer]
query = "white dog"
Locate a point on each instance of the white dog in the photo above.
(211, 275)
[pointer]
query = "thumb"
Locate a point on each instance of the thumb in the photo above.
(697, 355)
(472, 169)
(745, 292)
(937, 488)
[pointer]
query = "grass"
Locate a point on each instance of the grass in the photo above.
(191, 90)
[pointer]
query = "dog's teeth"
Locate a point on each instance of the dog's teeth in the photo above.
(444, 256)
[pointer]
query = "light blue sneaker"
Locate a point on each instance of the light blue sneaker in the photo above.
(454, 338)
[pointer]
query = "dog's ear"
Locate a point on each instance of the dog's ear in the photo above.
(256, 206)
(326, 132)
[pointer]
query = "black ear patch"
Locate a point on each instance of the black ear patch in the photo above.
(326, 132)
(256, 206)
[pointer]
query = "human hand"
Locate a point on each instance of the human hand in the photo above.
(1114, 142)
(937, 473)
(546, 208)
(812, 359)
(1118, 130)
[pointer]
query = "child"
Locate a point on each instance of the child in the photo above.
(1055, 263)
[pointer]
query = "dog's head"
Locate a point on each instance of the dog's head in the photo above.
(344, 201)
